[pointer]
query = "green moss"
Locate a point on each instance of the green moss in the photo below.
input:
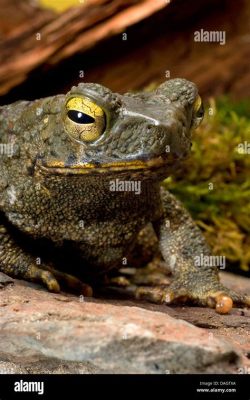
(214, 183)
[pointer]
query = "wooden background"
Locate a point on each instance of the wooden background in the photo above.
(89, 38)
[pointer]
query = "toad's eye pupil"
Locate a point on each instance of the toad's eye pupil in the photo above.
(200, 112)
(80, 118)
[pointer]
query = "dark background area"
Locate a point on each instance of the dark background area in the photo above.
(163, 41)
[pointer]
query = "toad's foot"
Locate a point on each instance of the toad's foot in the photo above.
(181, 291)
(185, 250)
(54, 280)
(19, 264)
(53, 277)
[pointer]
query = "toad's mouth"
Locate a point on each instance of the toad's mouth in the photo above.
(59, 168)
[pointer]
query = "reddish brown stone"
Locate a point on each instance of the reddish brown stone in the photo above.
(43, 332)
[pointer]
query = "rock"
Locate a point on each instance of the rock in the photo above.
(41, 332)
(5, 280)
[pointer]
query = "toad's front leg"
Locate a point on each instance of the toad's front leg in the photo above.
(182, 244)
(18, 264)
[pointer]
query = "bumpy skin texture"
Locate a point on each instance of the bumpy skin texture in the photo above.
(59, 215)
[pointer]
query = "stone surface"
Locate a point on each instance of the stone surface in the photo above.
(41, 332)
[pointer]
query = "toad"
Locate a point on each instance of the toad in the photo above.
(81, 192)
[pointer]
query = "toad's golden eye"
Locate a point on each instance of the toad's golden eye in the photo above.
(198, 112)
(84, 120)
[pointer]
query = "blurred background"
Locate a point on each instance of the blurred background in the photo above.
(48, 46)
